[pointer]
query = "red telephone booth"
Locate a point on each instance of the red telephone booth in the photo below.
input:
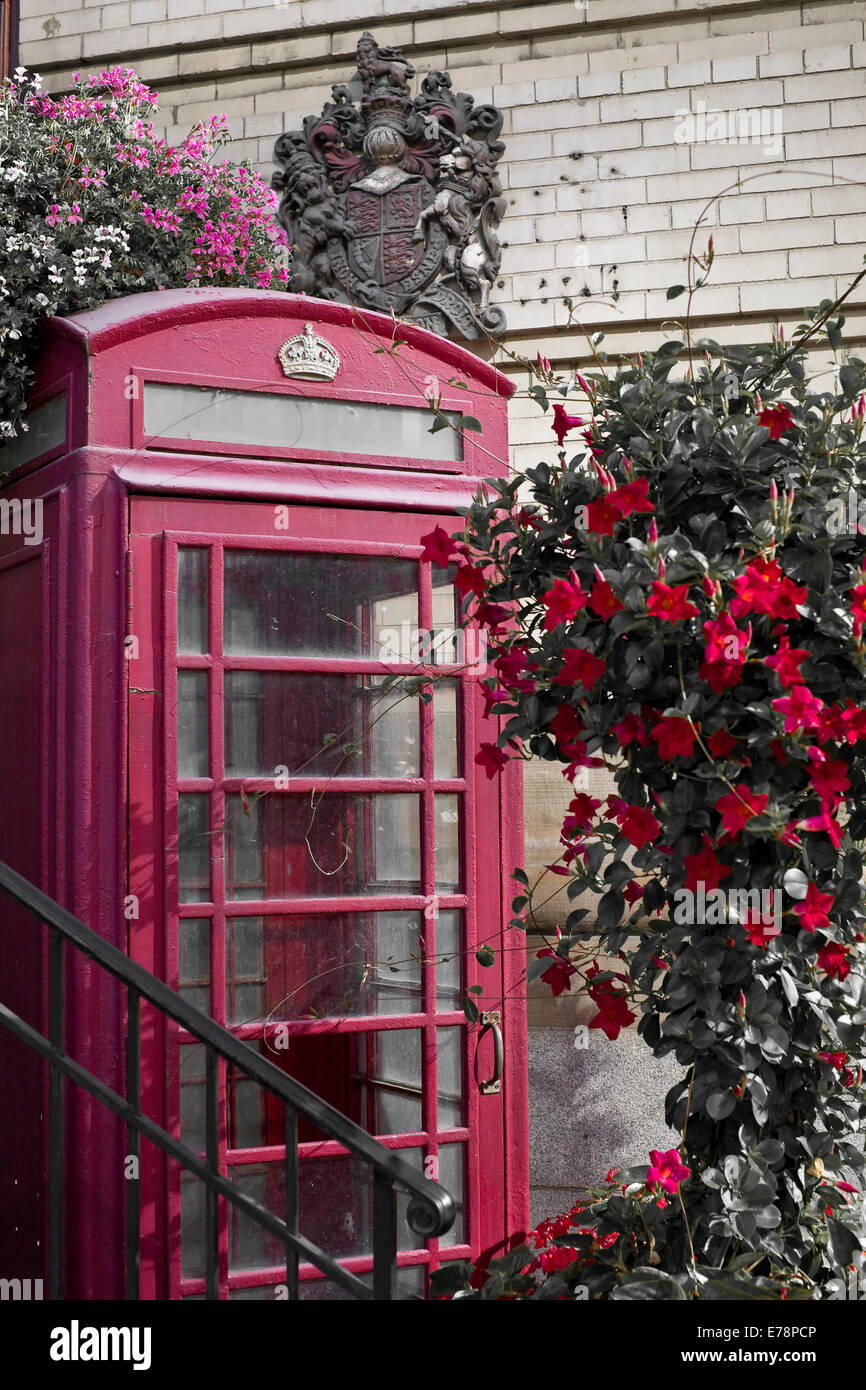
(220, 767)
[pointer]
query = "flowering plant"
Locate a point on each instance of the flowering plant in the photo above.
(683, 602)
(93, 205)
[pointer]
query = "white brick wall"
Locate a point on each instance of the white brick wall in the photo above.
(601, 168)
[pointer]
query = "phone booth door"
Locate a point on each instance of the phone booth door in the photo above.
(315, 865)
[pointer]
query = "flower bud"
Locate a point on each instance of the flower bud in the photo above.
(774, 491)
(653, 532)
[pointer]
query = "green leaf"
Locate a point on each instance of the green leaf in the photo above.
(485, 955)
(469, 422)
(675, 291)
(645, 1284)
(470, 1009)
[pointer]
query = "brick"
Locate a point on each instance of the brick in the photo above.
(786, 205)
(603, 137)
(600, 10)
(739, 69)
(605, 222)
(730, 156)
(653, 218)
(816, 87)
(858, 55)
(147, 11)
(519, 231)
(541, 172)
(534, 146)
(73, 22)
(842, 198)
(805, 231)
(665, 245)
(643, 80)
(738, 96)
(830, 35)
(557, 114)
(810, 144)
(533, 69)
(640, 106)
(597, 84)
(696, 184)
(617, 250)
(456, 27)
(197, 29)
(741, 208)
(781, 64)
(526, 19)
(36, 55)
(686, 214)
(556, 89)
(712, 299)
(827, 59)
(851, 229)
(813, 115)
(527, 202)
(611, 193)
(231, 87)
(845, 113)
(222, 59)
(661, 160)
(259, 126)
(731, 25)
(826, 260)
(514, 94)
(688, 74)
(721, 46)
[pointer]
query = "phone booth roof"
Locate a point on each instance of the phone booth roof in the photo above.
(217, 391)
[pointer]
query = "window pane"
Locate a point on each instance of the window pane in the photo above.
(452, 1158)
(281, 846)
(292, 604)
(448, 877)
(446, 762)
(193, 853)
(318, 726)
(391, 1085)
(192, 590)
(192, 724)
(324, 965)
(173, 410)
(449, 1073)
(449, 960)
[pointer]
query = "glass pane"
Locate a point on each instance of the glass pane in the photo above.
(449, 1073)
(193, 841)
(279, 846)
(283, 723)
(391, 1085)
(44, 428)
(449, 960)
(411, 1284)
(176, 411)
(445, 745)
(324, 965)
(335, 1209)
(295, 604)
(192, 1106)
(452, 1159)
(192, 1227)
(445, 616)
(192, 724)
(192, 590)
(448, 876)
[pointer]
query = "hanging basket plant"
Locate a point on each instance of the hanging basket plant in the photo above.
(94, 205)
(682, 599)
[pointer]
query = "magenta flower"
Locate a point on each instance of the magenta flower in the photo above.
(667, 1170)
(563, 422)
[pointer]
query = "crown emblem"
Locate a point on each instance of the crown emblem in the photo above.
(309, 356)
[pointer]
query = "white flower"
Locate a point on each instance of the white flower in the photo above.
(42, 299)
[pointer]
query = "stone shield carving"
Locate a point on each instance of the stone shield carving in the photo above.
(393, 201)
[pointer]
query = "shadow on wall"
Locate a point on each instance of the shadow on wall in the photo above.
(593, 1104)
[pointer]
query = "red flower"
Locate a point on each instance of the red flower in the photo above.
(602, 516)
(756, 930)
(633, 497)
(725, 641)
(786, 662)
(558, 973)
(801, 709)
(563, 422)
(630, 730)
(738, 806)
(667, 1170)
(491, 615)
(765, 589)
(633, 892)
(492, 759)
(469, 580)
(829, 778)
(777, 419)
(721, 675)
(675, 737)
(562, 601)
(858, 607)
(639, 826)
(579, 667)
(582, 809)
(603, 600)
(491, 698)
(510, 663)
(670, 604)
(721, 743)
(813, 909)
(833, 960)
(833, 1059)
(613, 1014)
(824, 823)
(438, 547)
(704, 867)
(565, 726)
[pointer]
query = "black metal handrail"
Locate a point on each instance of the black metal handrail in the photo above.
(430, 1211)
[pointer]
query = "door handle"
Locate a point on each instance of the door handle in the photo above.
(494, 1085)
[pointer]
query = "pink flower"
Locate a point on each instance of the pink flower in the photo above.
(563, 422)
(563, 601)
(438, 547)
(667, 1170)
(558, 973)
(492, 759)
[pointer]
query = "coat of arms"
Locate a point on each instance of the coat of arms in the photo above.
(393, 201)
